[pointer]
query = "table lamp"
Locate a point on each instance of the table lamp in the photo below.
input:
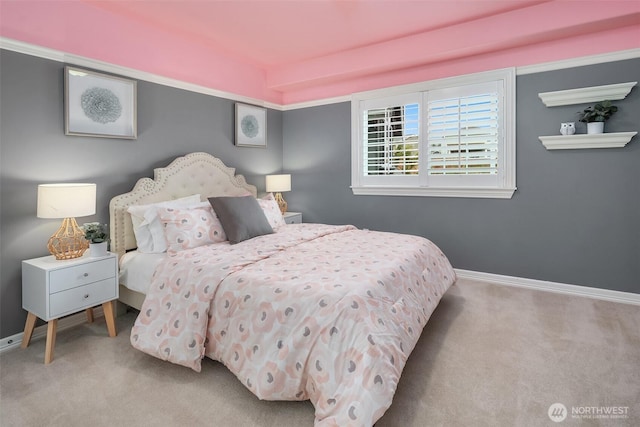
(276, 184)
(67, 201)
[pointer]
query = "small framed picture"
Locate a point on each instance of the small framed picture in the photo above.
(251, 126)
(99, 105)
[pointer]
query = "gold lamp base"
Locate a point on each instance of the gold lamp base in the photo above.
(68, 242)
(281, 202)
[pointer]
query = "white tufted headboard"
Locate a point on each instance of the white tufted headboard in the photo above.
(195, 173)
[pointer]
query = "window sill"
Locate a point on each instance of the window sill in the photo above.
(483, 193)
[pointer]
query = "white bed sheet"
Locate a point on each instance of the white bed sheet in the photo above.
(136, 269)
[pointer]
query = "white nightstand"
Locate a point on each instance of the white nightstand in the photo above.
(55, 288)
(293, 217)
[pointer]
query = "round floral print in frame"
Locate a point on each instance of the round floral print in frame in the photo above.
(251, 126)
(99, 105)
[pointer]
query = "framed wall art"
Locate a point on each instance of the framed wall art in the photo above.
(99, 104)
(251, 126)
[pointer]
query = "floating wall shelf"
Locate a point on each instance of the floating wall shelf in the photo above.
(586, 94)
(596, 140)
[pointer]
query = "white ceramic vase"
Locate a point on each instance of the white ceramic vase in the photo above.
(595, 127)
(98, 249)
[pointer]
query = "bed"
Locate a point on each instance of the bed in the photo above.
(308, 311)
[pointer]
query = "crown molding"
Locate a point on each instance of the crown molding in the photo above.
(317, 103)
(56, 55)
(82, 61)
(581, 61)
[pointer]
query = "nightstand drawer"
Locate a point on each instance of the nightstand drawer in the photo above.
(72, 277)
(76, 299)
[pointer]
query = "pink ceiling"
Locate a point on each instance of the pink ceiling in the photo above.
(287, 51)
(275, 33)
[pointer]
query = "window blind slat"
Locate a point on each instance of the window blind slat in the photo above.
(462, 135)
(391, 140)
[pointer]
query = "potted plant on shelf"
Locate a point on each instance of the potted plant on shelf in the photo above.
(596, 115)
(98, 238)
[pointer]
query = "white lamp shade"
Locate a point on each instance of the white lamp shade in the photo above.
(66, 200)
(278, 183)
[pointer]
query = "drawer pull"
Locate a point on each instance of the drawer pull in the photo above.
(86, 296)
(86, 274)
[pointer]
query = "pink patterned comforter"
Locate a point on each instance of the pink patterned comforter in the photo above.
(319, 312)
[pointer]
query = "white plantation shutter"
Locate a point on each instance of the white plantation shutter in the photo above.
(390, 139)
(464, 133)
(451, 137)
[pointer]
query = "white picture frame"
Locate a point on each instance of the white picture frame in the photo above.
(99, 105)
(251, 126)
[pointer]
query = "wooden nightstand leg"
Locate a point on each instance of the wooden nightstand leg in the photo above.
(28, 329)
(89, 315)
(51, 341)
(109, 317)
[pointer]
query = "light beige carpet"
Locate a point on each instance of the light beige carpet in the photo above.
(489, 356)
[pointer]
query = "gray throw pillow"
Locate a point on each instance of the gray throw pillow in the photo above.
(242, 218)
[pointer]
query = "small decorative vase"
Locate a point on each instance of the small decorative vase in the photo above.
(595, 127)
(98, 249)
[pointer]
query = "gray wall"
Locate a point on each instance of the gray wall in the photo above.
(574, 218)
(34, 150)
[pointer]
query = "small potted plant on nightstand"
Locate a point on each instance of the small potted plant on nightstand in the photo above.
(98, 238)
(596, 115)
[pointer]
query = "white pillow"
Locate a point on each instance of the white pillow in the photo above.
(147, 226)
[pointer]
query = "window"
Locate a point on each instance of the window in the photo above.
(452, 137)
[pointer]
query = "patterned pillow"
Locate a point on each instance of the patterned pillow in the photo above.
(187, 228)
(147, 226)
(272, 211)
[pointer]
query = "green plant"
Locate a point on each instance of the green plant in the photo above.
(599, 112)
(95, 232)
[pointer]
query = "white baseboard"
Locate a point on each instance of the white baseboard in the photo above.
(559, 288)
(14, 341)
